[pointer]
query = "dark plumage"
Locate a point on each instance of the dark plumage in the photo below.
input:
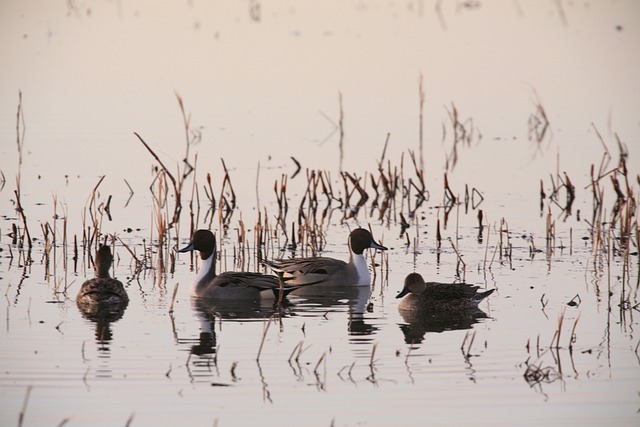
(431, 296)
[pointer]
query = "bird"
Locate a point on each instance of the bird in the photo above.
(102, 289)
(441, 297)
(231, 284)
(329, 271)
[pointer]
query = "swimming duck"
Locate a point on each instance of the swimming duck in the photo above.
(330, 271)
(229, 285)
(103, 289)
(432, 296)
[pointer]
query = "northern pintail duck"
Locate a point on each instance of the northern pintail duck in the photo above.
(330, 271)
(432, 296)
(103, 289)
(231, 284)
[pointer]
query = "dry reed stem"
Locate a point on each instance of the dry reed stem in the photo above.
(467, 353)
(322, 358)
(23, 411)
(139, 264)
(20, 132)
(264, 334)
(573, 336)
(23, 216)
(130, 420)
(297, 348)
(558, 332)
(460, 261)
(173, 297)
(176, 188)
(372, 360)
(298, 167)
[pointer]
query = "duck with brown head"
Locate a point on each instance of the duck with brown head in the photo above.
(433, 296)
(102, 289)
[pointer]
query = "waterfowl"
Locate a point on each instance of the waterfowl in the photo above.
(231, 284)
(330, 271)
(103, 289)
(442, 297)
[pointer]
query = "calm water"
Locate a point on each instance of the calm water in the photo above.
(261, 82)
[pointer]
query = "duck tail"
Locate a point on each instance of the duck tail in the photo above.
(482, 295)
(273, 265)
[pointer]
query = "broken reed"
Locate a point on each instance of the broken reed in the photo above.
(464, 134)
(538, 124)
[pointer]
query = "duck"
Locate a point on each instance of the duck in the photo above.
(102, 289)
(329, 271)
(439, 297)
(232, 285)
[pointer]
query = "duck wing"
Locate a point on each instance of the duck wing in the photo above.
(102, 290)
(246, 280)
(306, 271)
(450, 291)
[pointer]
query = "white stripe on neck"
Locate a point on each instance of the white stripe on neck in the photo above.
(362, 268)
(205, 266)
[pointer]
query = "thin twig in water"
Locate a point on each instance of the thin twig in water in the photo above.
(323, 357)
(176, 190)
(264, 335)
(173, 298)
(24, 406)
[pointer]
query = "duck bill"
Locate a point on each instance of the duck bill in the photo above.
(402, 293)
(188, 248)
(378, 246)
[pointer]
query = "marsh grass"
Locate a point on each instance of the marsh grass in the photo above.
(395, 197)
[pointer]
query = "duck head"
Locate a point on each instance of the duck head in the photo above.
(203, 241)
(414, 284)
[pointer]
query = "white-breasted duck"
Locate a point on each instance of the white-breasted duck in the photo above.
(231, 284)
(330, 271)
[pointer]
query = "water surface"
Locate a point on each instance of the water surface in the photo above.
(261, 82)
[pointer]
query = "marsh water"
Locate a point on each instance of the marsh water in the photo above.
(508, 99)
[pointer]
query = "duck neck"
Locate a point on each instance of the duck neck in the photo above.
(206, 271)
(102, 270)
(360, 263)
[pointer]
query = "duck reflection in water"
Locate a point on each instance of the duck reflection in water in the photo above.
(438, 307)
(209, 310)
(103, 299)
(103, 315)
(322, 299)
